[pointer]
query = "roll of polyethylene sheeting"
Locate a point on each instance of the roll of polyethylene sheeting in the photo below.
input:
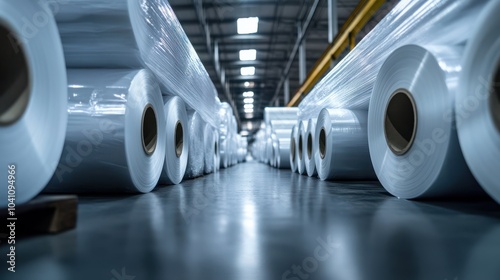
(280, 113)
(224, 152)
(349, 84)
(176, 142)
(32, 100)
(119, 33)
(282, 124)
(217, 150)
(275, 151)
(196, 156)
(478, 102)
(301, 134)
(283, 133)
(413, 144)
(210, 149)
(293, 149)
(341, 143)
(284, 153)
(116, 130)
(310, 148)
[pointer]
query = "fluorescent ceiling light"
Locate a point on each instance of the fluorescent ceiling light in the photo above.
(248, 110)
(248, 106)
(248, 94)
(244, 133)
(248, 54)
(249, 116)
(248, 71)
(247, 25)
(249, 84)
(248, 100)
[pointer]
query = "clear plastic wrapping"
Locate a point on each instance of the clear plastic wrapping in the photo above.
(280, 113)
(115, 135)
(310, 151)
(132, 33)
(301, 134)
(411, 126)
(293, 149)
(196, 156)
(349, 85)
(33, 102)
(341, 145)
(176, 142)
(478, 102)
(211, 149)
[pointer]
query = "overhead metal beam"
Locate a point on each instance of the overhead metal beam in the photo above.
(286, 89)
(302, 55)
(304, 29)
(226, 5)
(363, 12)
(333, 24)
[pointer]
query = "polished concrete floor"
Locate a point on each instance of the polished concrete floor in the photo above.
(255, 222)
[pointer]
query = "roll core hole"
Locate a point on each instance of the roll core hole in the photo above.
(300, 147)
(322, 143)
(15, 82)
(179, 139)
(495, 99)
(400, 122)
(292, 149)
(149, 130)
(216, 148)
(309, 146)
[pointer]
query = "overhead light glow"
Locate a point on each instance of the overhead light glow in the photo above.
(244, 133)
(248, 111)
(249, 116)
(248, 71)
(248, 94)
(248, 106)
(247, 25)
(249, 84)
(248, 54)
(248, 100)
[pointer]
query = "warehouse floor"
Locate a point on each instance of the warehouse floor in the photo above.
(254, 222)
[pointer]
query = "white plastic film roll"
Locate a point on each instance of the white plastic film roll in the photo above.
(413, 144)
(350, 84)
(280, 113)
(310, 148)
(116, 130)
(301, 134)
(217, 150)
(224, 151)
(133, 33)
(342, 145)
(478, 102)
(210, 150)
(284, 153)
(196, 156)
(293, 149)
(176, 142)
(32, 99)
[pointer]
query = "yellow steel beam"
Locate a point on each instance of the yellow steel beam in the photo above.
(345, 38)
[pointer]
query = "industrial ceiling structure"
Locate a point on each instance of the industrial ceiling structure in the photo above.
(258, 52)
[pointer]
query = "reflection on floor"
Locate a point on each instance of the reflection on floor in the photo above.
(255, 222)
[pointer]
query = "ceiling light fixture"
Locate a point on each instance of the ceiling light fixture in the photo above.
(248, 71)
(248, 94)
(248, 111)
(249, 84)
(247, 25)
(248, 54)
(248, 106)
(248, 100)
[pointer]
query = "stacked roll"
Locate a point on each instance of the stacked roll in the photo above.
(272, 145)
(32, 100)
(477, 106)
(115, 140)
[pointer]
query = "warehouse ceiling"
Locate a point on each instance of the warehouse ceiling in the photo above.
(212, 25)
